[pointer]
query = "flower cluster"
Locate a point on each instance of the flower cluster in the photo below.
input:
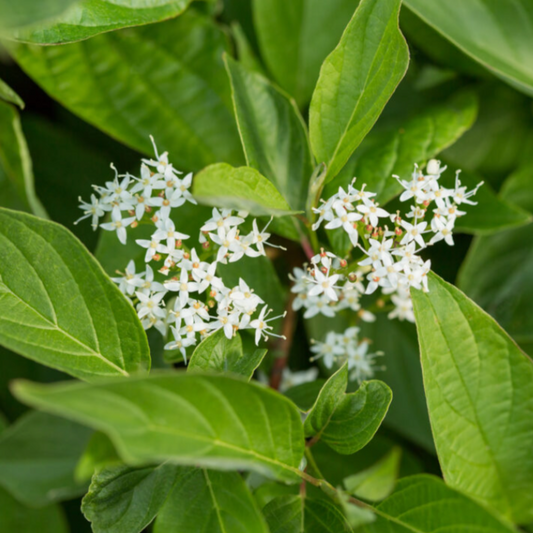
(190, 299)
(339, 348)
(391, 253)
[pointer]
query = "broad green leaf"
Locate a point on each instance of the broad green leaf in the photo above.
(376, 482)
(356, 80)
(479, 392)
(98, 454)
(214, 421)
(245, 52)
(38, 455)
(505, 290)
(16, 517)
(294, 42)
(164, 79)
(91, 17)
(424, 504)
(9, 95)
(395, 150)
(305, 394)
(292, 514)
(347, 422)
(496, 34)
(210, 501)
(273, 133)
(122, 499)
(242, 188)
(59, 308)
(408, 413)
(218, 353)
(26, 12)
(17, 190)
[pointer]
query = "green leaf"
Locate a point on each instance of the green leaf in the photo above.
(479, 391)
(292, 514)
(305, 394)
(293, 41)
(163, 79)
(17, 190)
(356, 80)
(408, 413)
(245, 52)
(26, 12)
(395, 150)
(125, 500)
(91, 17)
(505, 290)
(217, 352)
(497, 35)
(9, 95)
(58, 306)
(213, 421)
(347, 422)
(18, 518)
(376, 482)
(424, 504)
(222, 185)
(38, 455)
(210, 501)
(98, 454)
(273, 133)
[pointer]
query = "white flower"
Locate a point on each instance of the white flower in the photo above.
(118, 224)
(379, 252)
(226, 240)
(414, 232)
(167, 202)
(150, 304)
(319, 305)
(444, 231)
(262, 329)
(147, 182)
(180, 343)
(242, 246)
(226, 320)
(260, 238)
(167, 230)
(403, 306)
(344, 219)
(148, 283)
(161, 163)
(292, 379)
(183, 286)
(460, 196)
(152, 247)
(221, 222)
(360, 362)
(373, 212)
(329, 351)
(183, 186)
(127, 282)
(324, 284)
(94, 210)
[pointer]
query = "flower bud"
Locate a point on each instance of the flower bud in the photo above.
(205, 245)
(433, 167)
(344, 263)
(157, 257)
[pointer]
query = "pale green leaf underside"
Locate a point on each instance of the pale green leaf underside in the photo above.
(91, 17)
(273, 133)
(424, 504)
(496, 34)
(222, 185)
(210, 501)
(356, 81)
(212, 421)
(58, 307)
(479, 391)
(19, 13)
(165, 80)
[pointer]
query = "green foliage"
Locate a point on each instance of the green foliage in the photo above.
(91, 17)
(506, 288)
(207, 500)
(125, 500)
(59, 308)
(424, 504)
(185, 419)
(26, 12)
(242, 188)
(17, 517)
(496, 35)
(159, 80)
(355, 82)
(16, 175)
(475, 377)
(9, 95)
(220, 354)
(273, 134)
(38, 455)
(347, 422)
(294, 41)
